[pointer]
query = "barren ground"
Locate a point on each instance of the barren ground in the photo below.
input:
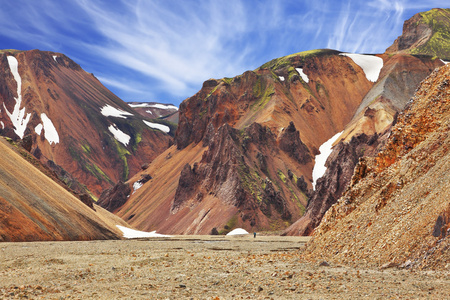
(198, 267)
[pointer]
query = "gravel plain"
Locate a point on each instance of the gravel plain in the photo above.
(198, 267)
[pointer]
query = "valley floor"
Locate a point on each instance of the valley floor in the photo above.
(198, 267)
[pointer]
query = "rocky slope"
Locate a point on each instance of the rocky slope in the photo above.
(245, 147)
(367, 131)
(72, 123)
(33, 207)
(396, 210)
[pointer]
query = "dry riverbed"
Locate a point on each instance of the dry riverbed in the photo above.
(198, 267)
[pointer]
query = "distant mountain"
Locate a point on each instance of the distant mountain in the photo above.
(155, 110)
(396, 211)
(72, 123)
(33, 207)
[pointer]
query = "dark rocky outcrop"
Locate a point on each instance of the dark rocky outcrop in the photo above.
(113, 198)
(340, 169)
(291, 143)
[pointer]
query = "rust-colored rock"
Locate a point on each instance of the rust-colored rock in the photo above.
(33, 207)
(398, 211)
(55, 87)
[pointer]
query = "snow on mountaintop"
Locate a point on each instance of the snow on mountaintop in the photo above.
(119, 135)
(370, 64)
(238, 231)
(161, 127)
(157, 105)
(109, 111)
(303, 75)
(129, 233)
(325, 151)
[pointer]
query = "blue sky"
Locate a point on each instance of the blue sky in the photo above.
(163, 50)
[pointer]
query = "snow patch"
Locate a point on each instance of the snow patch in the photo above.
(109, 111)
(38, 129)
(445, 62)
(51, 134)
(3, 124)
(152, 113)
(370, 64)
(119, 135)
(163, 106)
(18, 117)
(129, 233)
(54, 57)
(238, 231)
(137, 185)
(303, 75)
(325, 151)
(160, 106)
(161, 127)
(281, 78)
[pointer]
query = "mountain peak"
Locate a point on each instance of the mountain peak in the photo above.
(426, 33)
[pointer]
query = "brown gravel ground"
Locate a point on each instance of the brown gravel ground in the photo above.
(198, 267)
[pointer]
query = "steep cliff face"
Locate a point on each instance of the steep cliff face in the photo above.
(398, 80)
(72, 121)
(245, 146)
(396, 208)
(425, 33)
(33, 207)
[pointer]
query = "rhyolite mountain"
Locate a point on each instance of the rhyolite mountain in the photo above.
(66, 118)
(36, 206)
(245, 147)
(155, 110)
(404, 68)
(396, 210)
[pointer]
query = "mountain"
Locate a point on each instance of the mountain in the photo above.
(371, 124)
(396, 210)
(72, 123)
(34, 207)
(245, 146)
(155, 110)
(425, 33)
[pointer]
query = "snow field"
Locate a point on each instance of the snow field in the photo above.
(370, 64)
(129, 233)
(161, 127)
(119, 135)
(325, 151)
(18, 117)
(160, 106)
(303, 75)
(109, 111)
(51, 134)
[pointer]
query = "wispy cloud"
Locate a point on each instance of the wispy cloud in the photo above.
(163, 50)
